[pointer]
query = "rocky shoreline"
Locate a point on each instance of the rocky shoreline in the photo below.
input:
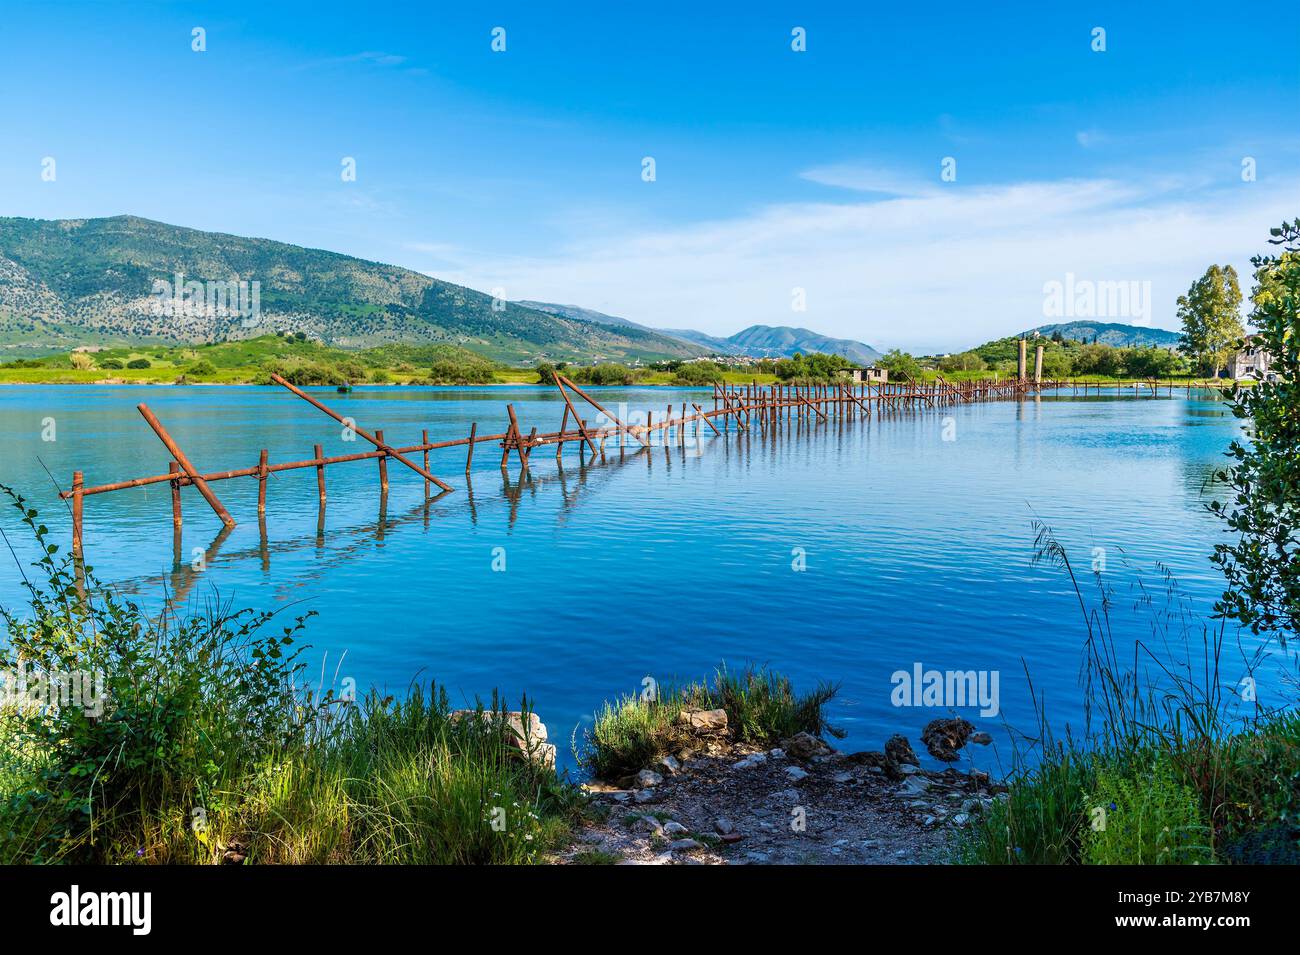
(713, 801)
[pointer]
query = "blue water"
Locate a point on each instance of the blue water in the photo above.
(662, 562)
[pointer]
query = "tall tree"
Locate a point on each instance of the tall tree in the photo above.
(1263, 566)
(1211, 317)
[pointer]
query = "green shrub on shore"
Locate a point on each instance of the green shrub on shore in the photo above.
(462, 371)
(698, 373)
(1177, 773)
(204, 746)
(607, 373)
(629, 733)
(1144, 816)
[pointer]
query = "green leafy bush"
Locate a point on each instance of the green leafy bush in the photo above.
(204, 741)
(607, 373)
(139, 363)
(1142, 815)
(698, 373)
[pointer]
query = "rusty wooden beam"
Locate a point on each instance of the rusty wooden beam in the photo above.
(357, 430)
(185, 464)
(595, 404)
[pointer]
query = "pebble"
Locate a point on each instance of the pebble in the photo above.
(645, 796)
(683, 845)
(842, 778)
(753, 759)
(674, 829)
(795, 773)
(723, 826)
(647, 778)
(777, 753)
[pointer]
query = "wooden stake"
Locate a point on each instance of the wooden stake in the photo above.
(261, 483)
(78, 482)
(320, 474)
(175, 468)
(383, 465)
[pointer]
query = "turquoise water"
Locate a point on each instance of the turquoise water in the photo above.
(664, 562)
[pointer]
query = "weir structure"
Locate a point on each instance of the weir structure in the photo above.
(746, 408)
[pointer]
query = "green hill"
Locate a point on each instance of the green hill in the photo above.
(65, 283)
(1115, 334)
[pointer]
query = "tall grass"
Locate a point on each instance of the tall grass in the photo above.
(1174, 765)
(208, 748)
(630, 733)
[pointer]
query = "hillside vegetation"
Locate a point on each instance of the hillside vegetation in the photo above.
(65, 283)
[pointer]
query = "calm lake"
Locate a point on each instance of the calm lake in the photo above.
(667, 562)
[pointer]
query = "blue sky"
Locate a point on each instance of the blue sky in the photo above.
(776, 170)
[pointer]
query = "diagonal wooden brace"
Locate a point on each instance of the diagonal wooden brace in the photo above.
(595, 404)
(184, 462)
(369, 437)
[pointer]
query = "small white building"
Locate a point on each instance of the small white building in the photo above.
(871, 375)
(1251, 362)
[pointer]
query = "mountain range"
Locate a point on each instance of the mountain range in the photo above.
(760, 341)
(65, 283)
(125, 280)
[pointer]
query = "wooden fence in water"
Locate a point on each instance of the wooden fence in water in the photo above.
(747, 408)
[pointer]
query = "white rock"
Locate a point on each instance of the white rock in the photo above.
(674, 829)
(645, 795)
(777, 753)
(723, 826)
(683, 845)
(647, 778)
(753, 759)
(795, 773)
(842, 778)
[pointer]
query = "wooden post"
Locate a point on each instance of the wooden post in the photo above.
(320, 474)
(469, 455)
(174, 468)
(1021, 366)
(383, 464)
(564, 423)
(519, 444)
(185, 464)
(261, 483)
(424, 440)
(78, 482)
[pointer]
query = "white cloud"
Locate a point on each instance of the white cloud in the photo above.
(943, 270)
(871, 179)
